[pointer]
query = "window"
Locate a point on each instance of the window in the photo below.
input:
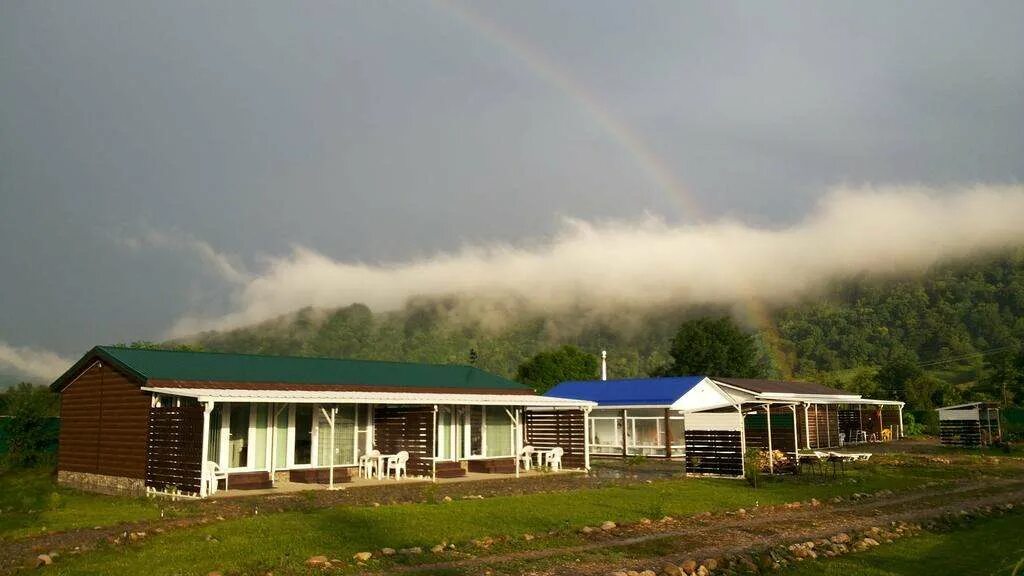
(259, 433)
(238, 436)
(213, 446)
(444, 433)
(476, 430)
(498, 430)
(344, 436)
(303, 454)
(606, 435)
(281, 458)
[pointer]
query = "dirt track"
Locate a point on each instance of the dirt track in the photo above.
(733, 533)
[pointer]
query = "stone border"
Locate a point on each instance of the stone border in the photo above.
(101, 483)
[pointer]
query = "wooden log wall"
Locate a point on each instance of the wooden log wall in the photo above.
(104, 423)
(966, 433)
(409, 428)
(714, 452)
(175, 448)
(546, 429)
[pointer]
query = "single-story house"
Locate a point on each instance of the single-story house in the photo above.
(642, 416)
(136, 420)
(710, 422)
(969, 425)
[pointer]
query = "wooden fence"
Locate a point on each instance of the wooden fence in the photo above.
(558, 428)
(174, 448)
(714, 452)
(965, 433)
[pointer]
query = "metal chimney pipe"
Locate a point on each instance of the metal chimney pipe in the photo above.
(604, 364)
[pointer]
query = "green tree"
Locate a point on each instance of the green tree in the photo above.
(714, 347)
(29, 430)
(550, 367)
(895, 374)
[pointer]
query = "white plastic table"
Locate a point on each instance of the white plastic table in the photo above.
(380, 464)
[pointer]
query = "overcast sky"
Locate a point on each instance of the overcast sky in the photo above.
(155, 154)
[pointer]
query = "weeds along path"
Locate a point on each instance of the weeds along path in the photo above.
(706, 536)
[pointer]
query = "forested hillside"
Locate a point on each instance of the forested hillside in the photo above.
(962, 323)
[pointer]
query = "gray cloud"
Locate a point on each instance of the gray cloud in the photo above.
(650, 262)
(393, 131)
(32, 363)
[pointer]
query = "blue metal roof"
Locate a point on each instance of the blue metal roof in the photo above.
(628, 392)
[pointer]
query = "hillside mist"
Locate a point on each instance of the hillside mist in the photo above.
(954, 319)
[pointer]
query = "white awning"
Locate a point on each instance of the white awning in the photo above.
(813, 399)
(354, 397)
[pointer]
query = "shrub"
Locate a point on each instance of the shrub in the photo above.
(752, 466)
(911, 427)
(31, 435)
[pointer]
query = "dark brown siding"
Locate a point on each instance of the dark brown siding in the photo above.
(104, 424)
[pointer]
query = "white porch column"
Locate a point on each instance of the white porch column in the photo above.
(330, 420)
(586, 439)
(796, 437)
(205, 449)
(901, 421)
(433, 449)
(517, 450)
(828, 428)
(334, 414)
(771, 457)
(743, 441)
(807, 426)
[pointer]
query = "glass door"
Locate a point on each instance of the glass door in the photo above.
(445, 438)
(303, 454)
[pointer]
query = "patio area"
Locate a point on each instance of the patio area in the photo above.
(289, 487)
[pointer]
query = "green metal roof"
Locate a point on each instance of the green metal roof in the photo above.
(221, 367)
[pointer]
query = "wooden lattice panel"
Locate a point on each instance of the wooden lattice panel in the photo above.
(174, 448)
(409, 428)
(548, 429)
(714, 452)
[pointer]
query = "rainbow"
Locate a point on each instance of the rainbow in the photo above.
(648, 161)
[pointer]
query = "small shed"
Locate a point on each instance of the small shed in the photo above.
(969, 425)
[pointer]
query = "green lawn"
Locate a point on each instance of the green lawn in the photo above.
(31, 504)
(282, 541)
(991, 547)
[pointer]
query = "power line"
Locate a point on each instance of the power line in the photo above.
(965, 356)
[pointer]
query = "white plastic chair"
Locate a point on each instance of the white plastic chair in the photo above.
(527, 457)
(368, 463)
(397, 463)
(842, 438)
(555, 458)
(215, 473)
